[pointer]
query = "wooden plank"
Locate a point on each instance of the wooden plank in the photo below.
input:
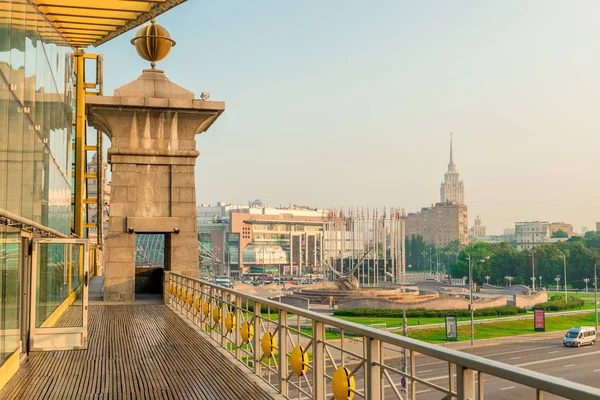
(137, 352)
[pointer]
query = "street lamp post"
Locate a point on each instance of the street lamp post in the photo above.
(533, 269)
(471, 298)
(471, 295)
(509, 279)
(557, 279)
(565, 272)
(541, 287)
(586, 280)
(487, 279)
(430, 267)
(596, 295)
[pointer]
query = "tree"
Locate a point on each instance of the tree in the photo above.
(560, 234)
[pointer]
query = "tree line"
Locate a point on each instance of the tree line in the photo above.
(500, 261)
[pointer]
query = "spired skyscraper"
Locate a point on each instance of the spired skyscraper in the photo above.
(452, 189)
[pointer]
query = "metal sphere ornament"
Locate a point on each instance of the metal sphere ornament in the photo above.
(153, 43)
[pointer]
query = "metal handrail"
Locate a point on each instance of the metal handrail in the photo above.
(532, 379)
(17, 218)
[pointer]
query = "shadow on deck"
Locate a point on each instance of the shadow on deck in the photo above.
(136, 351)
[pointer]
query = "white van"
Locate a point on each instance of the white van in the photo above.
(224, 281)
(580, 336)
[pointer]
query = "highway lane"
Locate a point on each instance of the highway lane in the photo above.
(580, 365)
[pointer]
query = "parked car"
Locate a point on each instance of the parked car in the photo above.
(581, 335)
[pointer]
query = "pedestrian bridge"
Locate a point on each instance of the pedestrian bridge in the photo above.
(135, 351)
(202, 341)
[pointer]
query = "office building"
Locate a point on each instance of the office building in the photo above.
(255, 238)
(532, 233)
(561, 226)
(440, 224)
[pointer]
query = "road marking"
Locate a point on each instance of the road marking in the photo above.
(597, 370)
(557, 358)
(423, 391)
(515, 358)
(494, 354)
(552, 352)
(422, 372)
(570, 365)
(508, 387)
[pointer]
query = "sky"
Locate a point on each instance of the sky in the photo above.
(351, 103)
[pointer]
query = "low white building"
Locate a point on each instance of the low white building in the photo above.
(532, 233)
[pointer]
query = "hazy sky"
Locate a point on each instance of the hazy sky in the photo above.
(351, 103)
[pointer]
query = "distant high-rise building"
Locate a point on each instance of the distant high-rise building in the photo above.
(597, 226)
(452, 189)
(584, 230)
(509, 232)
(440, 224)
(561, 226)
(478, 229)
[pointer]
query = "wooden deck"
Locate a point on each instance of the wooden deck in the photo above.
(135, 352)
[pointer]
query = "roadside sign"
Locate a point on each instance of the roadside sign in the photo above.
(539, 320)
(451, 327)
(403, 383)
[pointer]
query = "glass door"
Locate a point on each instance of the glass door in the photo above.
(59, 294)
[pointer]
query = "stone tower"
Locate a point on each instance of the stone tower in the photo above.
(152, 124)
(453, 188)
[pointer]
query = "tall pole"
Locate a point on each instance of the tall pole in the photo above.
(430, 271)
(565, 272)
(532, 269)
(471, 299)
(596, 296)
(565, 269)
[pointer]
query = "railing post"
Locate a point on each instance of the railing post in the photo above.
(213, 305)
(166, 283)
(465, 383)
(283, 352)
(257, 337)
(480, 387)
(238, 325)
(413, 383)
(451, 382)
(223, 315)
(373, 385)
(319, 360)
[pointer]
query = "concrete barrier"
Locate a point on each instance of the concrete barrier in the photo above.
(530, 301)
(440, 303)
(293, 300)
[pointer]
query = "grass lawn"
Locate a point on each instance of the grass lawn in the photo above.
(393, 322)
(504, 328)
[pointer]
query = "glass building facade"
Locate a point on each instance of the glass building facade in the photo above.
(36, 132)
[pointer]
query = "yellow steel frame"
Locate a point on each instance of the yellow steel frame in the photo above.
(92, 22)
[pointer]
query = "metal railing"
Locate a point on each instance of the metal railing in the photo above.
(356, 362)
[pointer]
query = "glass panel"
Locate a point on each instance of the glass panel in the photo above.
(10, 257)
(14, 155)
(17, 48)
(59, 292)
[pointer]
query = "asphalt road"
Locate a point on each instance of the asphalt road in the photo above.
(580, 365)
(550, 357)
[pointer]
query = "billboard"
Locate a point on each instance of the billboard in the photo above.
(539, 320)
(451, 327)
